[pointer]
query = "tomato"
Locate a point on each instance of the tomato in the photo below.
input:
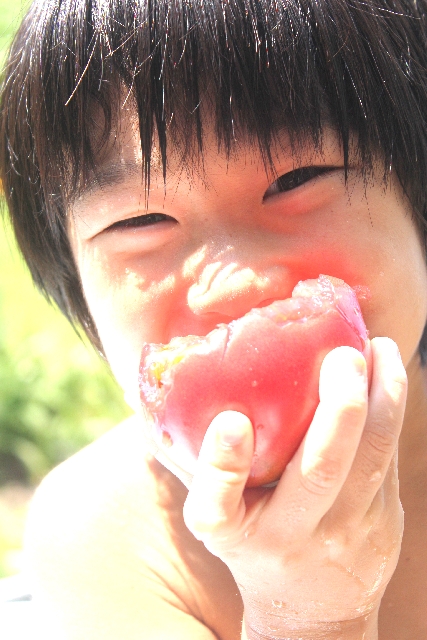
(265, 365)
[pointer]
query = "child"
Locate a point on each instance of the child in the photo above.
(169, 166)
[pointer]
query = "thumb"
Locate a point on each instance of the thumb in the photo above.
(215, 508)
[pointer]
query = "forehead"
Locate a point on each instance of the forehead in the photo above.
(121, 162)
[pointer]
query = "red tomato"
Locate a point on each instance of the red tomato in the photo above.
(265, 364)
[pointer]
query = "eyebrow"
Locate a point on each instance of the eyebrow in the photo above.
(112, 174)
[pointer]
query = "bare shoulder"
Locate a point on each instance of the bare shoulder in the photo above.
(106, 534)
(105, 475)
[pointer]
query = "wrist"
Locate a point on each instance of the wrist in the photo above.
(256, 627)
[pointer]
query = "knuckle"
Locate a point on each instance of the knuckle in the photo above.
(353, 411)
(380, 435)
(200, 521)
(230, 479)
(322, 476)
(223, 483)
(229, 465)
(396, 389)
(400, 384)
(213, 529)
(211, 502)
(372, 473)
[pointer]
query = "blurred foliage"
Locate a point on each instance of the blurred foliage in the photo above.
(56, 394)
(10, 16)
(14, 501)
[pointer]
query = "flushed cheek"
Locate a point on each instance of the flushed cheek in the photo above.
(392, 287)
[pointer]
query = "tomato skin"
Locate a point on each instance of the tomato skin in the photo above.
(263, 368)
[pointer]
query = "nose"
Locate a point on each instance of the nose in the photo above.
(232, 289)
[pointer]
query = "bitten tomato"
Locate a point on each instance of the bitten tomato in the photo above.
(265, 364)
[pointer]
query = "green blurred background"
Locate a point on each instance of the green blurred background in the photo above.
(56, 395)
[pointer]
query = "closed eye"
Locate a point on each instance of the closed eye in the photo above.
(296, 178)
(146, 220)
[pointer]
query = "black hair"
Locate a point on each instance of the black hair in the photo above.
(254, 66)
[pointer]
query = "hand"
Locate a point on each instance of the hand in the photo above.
(312, 557)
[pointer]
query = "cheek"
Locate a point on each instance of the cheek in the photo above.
(374, 246)
(401, 311)
(397, 279)
(127, 308)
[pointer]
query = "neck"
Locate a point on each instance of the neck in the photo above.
(413, 440)
(406, 597)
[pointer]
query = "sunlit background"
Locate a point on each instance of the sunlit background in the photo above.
(56, 395)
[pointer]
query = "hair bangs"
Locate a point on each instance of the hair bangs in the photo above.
(250, 67)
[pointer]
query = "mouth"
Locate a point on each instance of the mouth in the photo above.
(264, 364)
(267, 302)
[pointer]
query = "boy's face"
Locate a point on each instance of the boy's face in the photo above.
(227, 240)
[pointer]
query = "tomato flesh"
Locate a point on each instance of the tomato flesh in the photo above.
(265, 364)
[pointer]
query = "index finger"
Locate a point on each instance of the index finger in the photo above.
(315, 476)
(380, 438)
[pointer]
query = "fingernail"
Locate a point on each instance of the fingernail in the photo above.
(342, 370)
(346, 361)
(391, 346)
(232, 429)
(354, 369)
